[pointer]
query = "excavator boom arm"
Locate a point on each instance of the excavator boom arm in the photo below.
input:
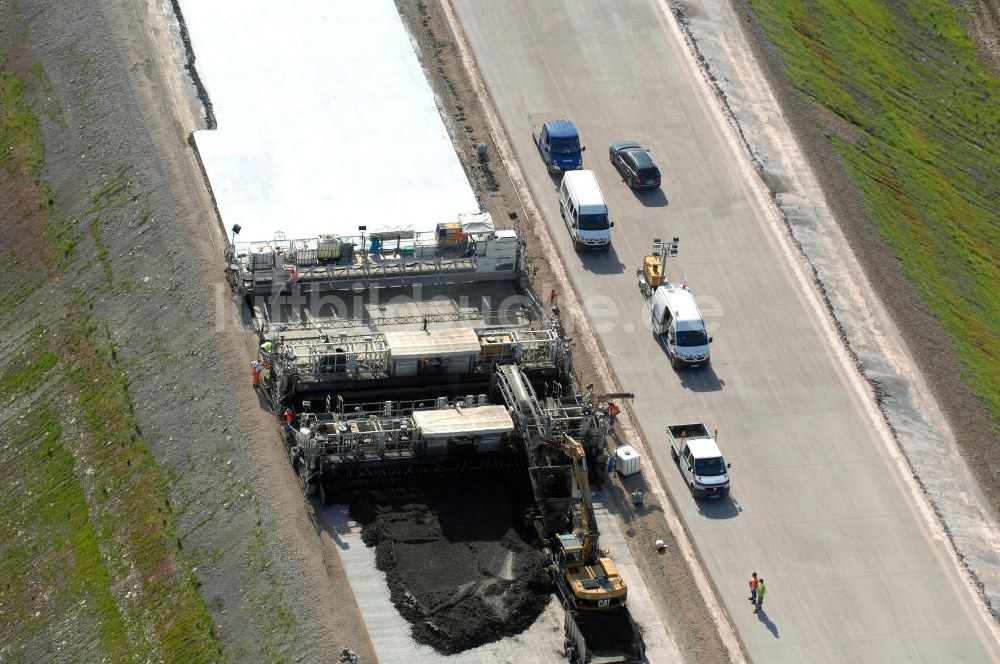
(574, 450)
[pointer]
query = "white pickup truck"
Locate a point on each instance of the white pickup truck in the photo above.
(701, 462)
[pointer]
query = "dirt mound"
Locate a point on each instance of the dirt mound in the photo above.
(460, 564)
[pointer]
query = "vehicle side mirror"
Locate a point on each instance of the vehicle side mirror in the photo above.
(689, 468)
(729, 465)
(583, 148)
(710, 339)
(611, 225)
(574, 224)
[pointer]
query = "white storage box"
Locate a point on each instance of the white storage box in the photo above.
(328, 248)
(503, 245)
(304, 252)
(627, 460)
(424, 249)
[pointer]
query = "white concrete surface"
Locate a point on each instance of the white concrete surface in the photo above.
(819, 505)
(326, 120)
(389, 631)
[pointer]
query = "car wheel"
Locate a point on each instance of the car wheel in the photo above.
(673, 454)
(673, 362)
(694, 494)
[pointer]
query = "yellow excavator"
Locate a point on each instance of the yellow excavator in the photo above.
(585, 574)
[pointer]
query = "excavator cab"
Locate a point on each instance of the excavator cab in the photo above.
(595, 584)
(571, 549)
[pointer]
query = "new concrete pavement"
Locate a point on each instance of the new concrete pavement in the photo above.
(819, 507)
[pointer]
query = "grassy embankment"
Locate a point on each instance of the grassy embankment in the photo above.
(926, 155)
(91, 568)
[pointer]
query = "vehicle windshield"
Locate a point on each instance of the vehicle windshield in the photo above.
(593, 222)
(709, 467)
(691, 338)
(564, 145)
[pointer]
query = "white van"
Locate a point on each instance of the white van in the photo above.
(677, 319)
(583, 209)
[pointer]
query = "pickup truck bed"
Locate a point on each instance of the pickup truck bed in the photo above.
(692, 430)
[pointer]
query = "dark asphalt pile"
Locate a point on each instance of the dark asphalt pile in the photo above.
(461, 565)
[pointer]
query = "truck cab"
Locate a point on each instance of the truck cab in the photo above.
(676, 318)
(558, 143)
(700, 460)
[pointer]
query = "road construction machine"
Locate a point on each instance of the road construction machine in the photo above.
(598, 626)
(586, 576)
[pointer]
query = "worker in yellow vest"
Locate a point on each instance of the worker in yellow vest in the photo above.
(761, 592)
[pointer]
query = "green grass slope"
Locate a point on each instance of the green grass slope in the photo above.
(91, 568)
(926, 153)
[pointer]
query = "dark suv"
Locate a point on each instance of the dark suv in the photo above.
(635, 165)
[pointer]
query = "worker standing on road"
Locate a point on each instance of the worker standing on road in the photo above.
(613, 412)
(255, 373)
(761, 592)
(753, 588)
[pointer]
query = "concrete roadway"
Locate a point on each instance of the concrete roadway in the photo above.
(819, 507)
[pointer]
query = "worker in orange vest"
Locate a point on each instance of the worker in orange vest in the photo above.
(255, 368)
(613, 412)
(288, 417)
(753, 588)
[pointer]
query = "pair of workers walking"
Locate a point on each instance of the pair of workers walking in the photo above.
(758, 590)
